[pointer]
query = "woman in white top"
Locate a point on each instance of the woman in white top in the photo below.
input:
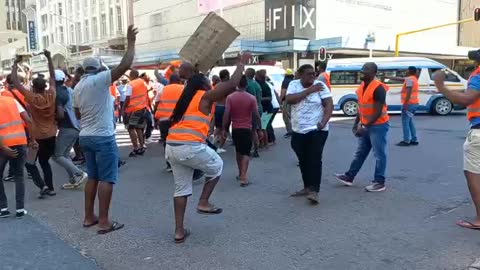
(312, 107)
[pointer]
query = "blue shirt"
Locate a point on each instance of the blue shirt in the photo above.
(122, 89)
(474, 84)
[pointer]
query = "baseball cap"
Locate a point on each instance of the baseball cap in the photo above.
(91, 64)
(59, 75)
(289, 71)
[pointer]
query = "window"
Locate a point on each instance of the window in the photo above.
(110, 20)
(119, 20)
(61, 35)
(102, 5)
(86, 38)
(72, 34)
(344, 77)
(93, 6)
(60, 9)
(79, 32)
(69, 7)
(44, 22)
(52, 39)
(450, 77)
(103, 22)
(45, 42)
(94, 28)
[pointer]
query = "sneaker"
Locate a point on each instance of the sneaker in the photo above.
(50, 192)
(9, 179)
(313, 197)
(21, 213)
(346, 180)
(149, 140)
(403, 143)
(288, 135)
(414, 143)
(221, 151)
(4, 213)
(43, 193)
(376, 187)
(79, 179)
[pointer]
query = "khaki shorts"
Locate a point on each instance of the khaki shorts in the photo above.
(184, 159)
(471, 152)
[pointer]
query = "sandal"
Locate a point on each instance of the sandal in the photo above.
(468, 225)
(90, 225)
(186, 233)
(114, 227)
(132, 154)
(211, 211)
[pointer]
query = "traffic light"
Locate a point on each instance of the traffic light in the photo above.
(322, 54)
(476, 14)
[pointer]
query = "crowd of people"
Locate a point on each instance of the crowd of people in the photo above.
(45, 119)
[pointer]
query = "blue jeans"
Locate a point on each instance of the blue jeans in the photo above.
(409, 130)
(101, 155)
(375, 138)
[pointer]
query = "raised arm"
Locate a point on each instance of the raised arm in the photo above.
(51, 70)
(15, 81)
(127, 59)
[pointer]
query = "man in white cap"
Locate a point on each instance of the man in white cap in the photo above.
(94, 107)
(68, 130)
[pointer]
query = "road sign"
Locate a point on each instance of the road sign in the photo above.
(322, 54)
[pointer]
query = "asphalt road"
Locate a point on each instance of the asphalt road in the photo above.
(411, 226)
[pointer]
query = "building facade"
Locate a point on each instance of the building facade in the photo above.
(75, 29)
(345, 27)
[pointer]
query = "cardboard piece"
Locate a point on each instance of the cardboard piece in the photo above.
(208, 43)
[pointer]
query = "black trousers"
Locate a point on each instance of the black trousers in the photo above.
(309, 150)
(46, 149)
(270, 131)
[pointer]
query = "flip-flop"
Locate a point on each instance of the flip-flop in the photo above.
(212, 211)
(114, 227)
(186, 234)
(468, 225)
(69, 186)
(90, 225)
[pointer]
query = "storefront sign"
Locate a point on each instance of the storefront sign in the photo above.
(290, 19)
(32, 36)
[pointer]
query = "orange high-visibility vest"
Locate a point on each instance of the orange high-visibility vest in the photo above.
(366, 103)
(12, 132)
(114, 93)
(327, 79)
(8, 93)
(473, 111)
(415, 90)
(168, 100)
(194, 126)
(139, 97)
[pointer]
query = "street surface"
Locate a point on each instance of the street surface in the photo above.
(411, 226)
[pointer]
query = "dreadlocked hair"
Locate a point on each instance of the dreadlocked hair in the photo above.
(197, 82)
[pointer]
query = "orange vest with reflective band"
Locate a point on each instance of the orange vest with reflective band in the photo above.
(168, 100)
(415, 90)
(194, 126)
(366, 103)
(473, 111)
(12, 132)
(139, 97)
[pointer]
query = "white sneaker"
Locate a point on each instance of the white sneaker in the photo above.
(81, 178)
(221, 151)
(149, 140)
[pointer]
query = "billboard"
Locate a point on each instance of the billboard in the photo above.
(290, 19)
(468, 33)
(206, 6)
(32, 35)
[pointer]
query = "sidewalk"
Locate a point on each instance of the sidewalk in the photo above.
(26, 244)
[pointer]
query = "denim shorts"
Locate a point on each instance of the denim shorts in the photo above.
(101, 155)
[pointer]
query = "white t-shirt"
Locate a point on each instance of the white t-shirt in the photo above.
(159, 87)
(92, 97)
(307, 113)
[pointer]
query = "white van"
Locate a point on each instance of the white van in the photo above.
(275, 73)
(344, 77)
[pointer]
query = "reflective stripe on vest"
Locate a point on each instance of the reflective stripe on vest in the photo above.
(473, 111)
(168, 100)
(139, 97)
(366, 103)
(415, 91)
(194, 125)
(12, 131)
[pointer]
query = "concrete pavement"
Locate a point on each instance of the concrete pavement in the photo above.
(411, 226)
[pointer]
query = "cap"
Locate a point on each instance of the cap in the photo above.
(91, 64)
(59, 75)
(289, 71)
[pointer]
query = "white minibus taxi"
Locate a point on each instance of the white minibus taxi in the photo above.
(345, 79)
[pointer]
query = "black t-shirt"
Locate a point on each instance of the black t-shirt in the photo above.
(380, 94)
(286, 82)
(62, 98)
(266, 104)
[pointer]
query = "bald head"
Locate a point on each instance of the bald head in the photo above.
(369, 71)
(186, 70)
